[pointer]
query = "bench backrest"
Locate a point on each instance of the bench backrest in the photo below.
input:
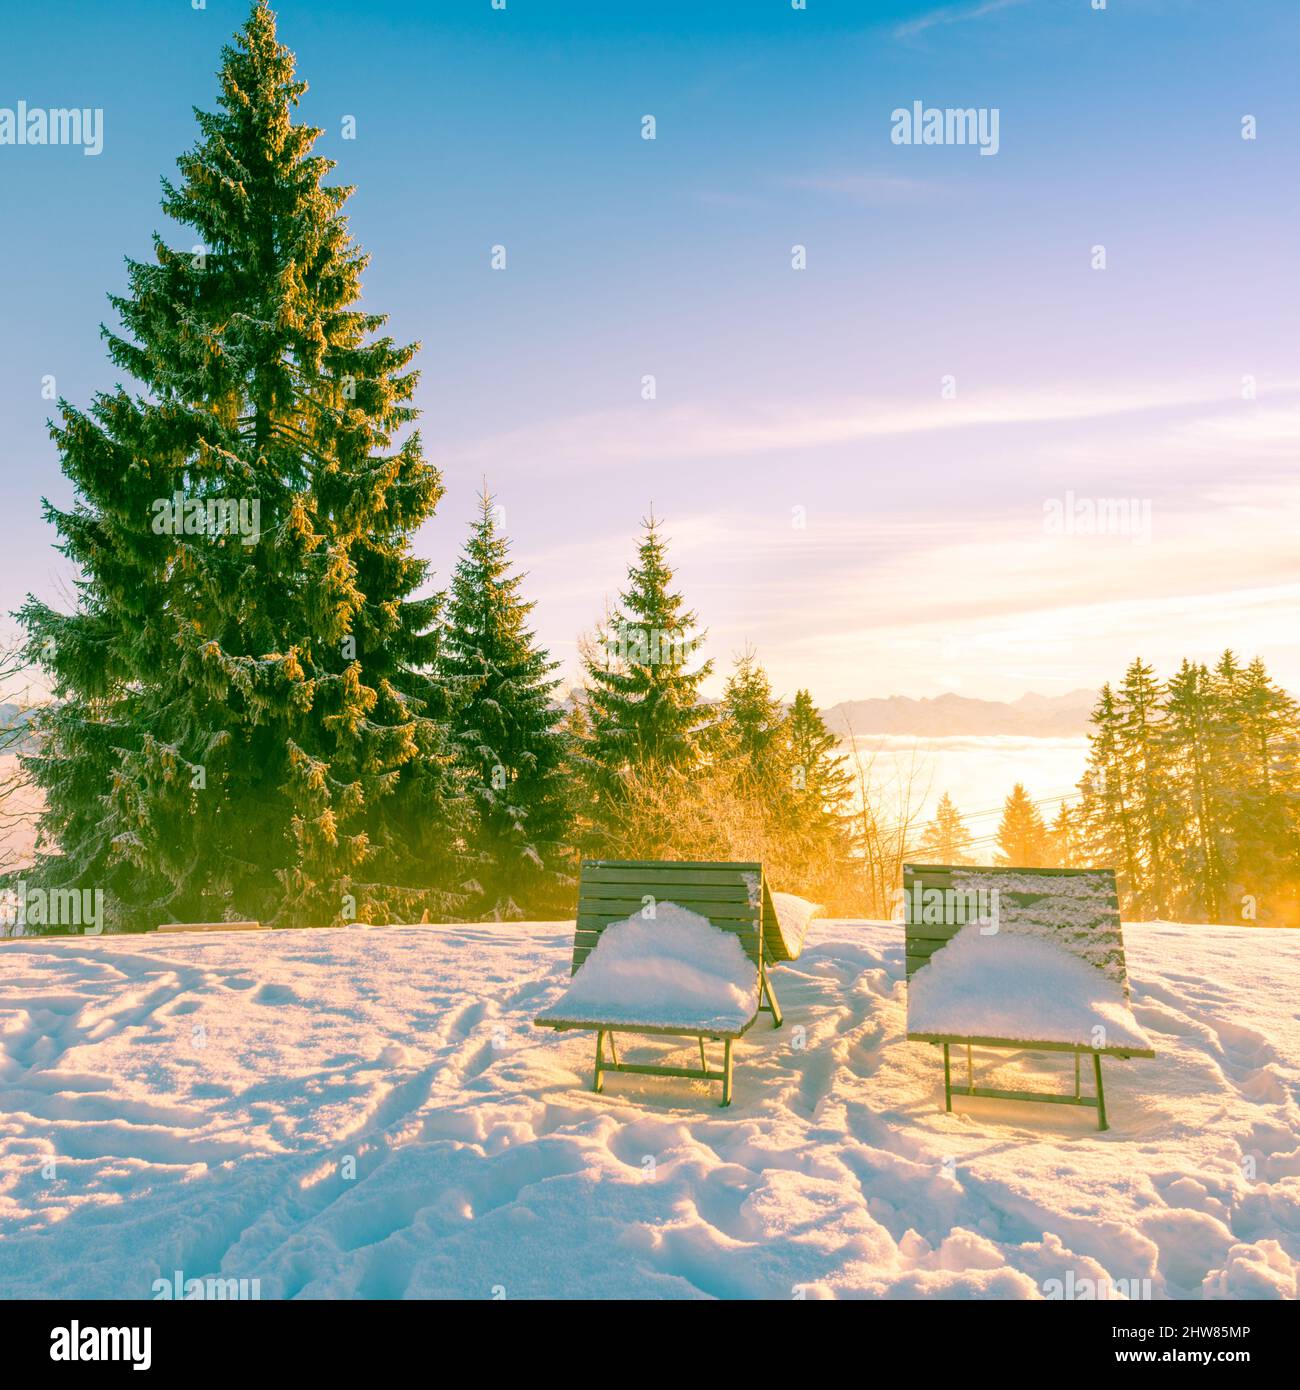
(609, 890)
(1077, 908)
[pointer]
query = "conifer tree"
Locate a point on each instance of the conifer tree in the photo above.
(643, 689)
(946, 836)
(585, 836)
(1197, 772)
(1143, 756)
(1193, 791)
(819, 776)
(751, 722)
(506, 729)
(1022, 835)
(815, 810)
(1063, 838)
(1266, 810)
(1109, 832)
(245, 724)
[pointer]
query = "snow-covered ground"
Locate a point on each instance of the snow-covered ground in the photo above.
(370, 1112)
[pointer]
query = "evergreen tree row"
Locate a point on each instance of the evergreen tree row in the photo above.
(1024, 838)
(259, 709)
(662, 774)
(1193, 792)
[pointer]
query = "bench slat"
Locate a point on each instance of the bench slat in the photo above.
(616, 909)
(721, 878)
(701, 892)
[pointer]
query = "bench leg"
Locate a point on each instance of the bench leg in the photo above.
(1101, 1095)
(771, 1006)
(947, 1080)
(613, 1064)
(726, 1072)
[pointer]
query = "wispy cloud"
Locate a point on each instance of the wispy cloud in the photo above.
(872, 189)
(855, 608)
(979, 596)
(994, 603)
(952, 14)
(656, 432)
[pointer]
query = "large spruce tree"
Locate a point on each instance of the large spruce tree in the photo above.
(1199, 779)
(244, 723)
(1264, 810)
(506, 728)
(1110, 824)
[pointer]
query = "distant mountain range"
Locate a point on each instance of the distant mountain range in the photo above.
(944, 716)
(1031, 716)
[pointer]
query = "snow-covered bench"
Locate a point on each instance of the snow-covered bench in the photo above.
(678, 948)
(1031, 959)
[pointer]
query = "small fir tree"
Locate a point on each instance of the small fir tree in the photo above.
(506, 729)
(643, 688)
(1022, 835)
(946, 837)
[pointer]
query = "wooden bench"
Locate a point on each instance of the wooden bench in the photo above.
(1083, 907)
(734, 897)
(211, 926)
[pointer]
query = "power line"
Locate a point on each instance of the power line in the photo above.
(994, 811)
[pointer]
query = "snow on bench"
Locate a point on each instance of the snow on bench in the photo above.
(676, 970)
(1020, 987)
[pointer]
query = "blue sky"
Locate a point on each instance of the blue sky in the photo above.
(924, 563)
